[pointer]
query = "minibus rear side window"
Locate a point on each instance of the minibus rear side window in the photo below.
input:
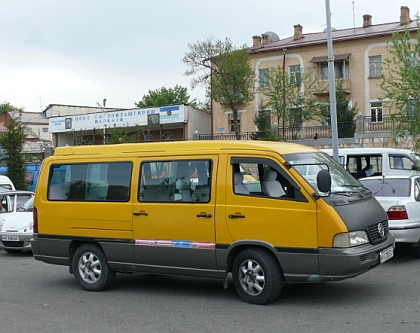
(90, 182)
(400, 162)
(175, 181)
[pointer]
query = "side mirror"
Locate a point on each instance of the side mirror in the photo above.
(323, 180)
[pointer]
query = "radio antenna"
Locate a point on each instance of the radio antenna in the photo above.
(354, 24)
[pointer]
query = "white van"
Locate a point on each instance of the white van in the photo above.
(366, 162)
(6, 184)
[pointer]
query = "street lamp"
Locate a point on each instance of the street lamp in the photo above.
(284, 88)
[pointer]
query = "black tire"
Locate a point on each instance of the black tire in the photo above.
(257, 276)
(13, 251)
(416, 251)
(90, 268)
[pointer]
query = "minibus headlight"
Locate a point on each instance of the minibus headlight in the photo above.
(349, 239)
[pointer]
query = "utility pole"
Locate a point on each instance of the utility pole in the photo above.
(331, 80)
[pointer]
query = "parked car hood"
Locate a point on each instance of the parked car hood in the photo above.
(16, 220)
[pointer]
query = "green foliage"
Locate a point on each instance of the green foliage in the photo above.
(12, 141)
(265, 130)
(345, 113)
(401, 84)
(116, 135)
(292, 103)
(225, 71)
(164, 96)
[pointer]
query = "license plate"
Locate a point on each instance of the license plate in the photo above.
(386, 254)
(10, 238)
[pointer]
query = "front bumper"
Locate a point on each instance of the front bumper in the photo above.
(24, 242)
(342, 263)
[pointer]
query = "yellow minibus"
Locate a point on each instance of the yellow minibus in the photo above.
(242, 211)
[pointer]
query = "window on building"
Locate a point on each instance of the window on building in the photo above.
(414, 58)
(232, 123)
(295, 116)
(341, 69)
(375, 66)
(175, 181)
(263, 75)
(295, 74)
(412, 108)
(376, 112)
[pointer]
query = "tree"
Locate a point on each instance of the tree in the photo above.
(12, 141)
(266, 132)
(164, 96)
(293, 101)
(401, 84)
(225, 71)
(345, 113)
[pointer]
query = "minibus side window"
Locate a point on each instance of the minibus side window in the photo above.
(262, 178)
(400, 162)
(361, 166)
(90, 182)
(175, 181)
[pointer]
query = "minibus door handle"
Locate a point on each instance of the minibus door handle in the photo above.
(207, 216)
(236, 216)
(141, 213)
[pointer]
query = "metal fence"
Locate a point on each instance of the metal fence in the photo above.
(290, 133)
(375, 125)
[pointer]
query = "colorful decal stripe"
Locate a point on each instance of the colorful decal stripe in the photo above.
(175, 243)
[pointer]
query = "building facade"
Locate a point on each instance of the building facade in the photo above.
(77, 125)
(358, 57)
(38, 136)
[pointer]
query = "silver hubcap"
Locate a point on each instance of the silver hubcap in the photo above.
(251, 277)
(89, 267)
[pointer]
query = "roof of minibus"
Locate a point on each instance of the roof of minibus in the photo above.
(369, 150)
(185, 146)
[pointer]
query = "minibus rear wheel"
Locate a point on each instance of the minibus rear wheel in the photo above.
(90, 268)
(257, 276)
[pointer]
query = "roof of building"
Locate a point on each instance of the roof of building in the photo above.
(337, 36)
(33, 118)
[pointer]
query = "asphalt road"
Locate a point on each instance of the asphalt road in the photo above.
(36, 297)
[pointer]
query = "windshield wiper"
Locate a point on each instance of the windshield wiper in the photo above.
(345, 193)
(348, 193)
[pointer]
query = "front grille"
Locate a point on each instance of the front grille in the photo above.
(374, 235)
(12, 244)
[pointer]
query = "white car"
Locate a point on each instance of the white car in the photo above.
(16, 220)
(400, 198)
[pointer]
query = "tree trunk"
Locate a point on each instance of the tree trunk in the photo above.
(235, 121)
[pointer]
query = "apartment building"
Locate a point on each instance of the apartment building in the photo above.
(358, 56)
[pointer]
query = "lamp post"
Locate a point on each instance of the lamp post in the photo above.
(103, 115)
(331, 80)
(284, 88)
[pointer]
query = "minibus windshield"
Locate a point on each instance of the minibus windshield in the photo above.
(342, 183)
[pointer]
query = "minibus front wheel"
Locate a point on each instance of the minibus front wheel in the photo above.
(257, 276)
(90, 268)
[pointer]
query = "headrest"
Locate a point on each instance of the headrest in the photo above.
(238, 178)
(270, 175)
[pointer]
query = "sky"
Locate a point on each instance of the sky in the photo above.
(81, 52)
